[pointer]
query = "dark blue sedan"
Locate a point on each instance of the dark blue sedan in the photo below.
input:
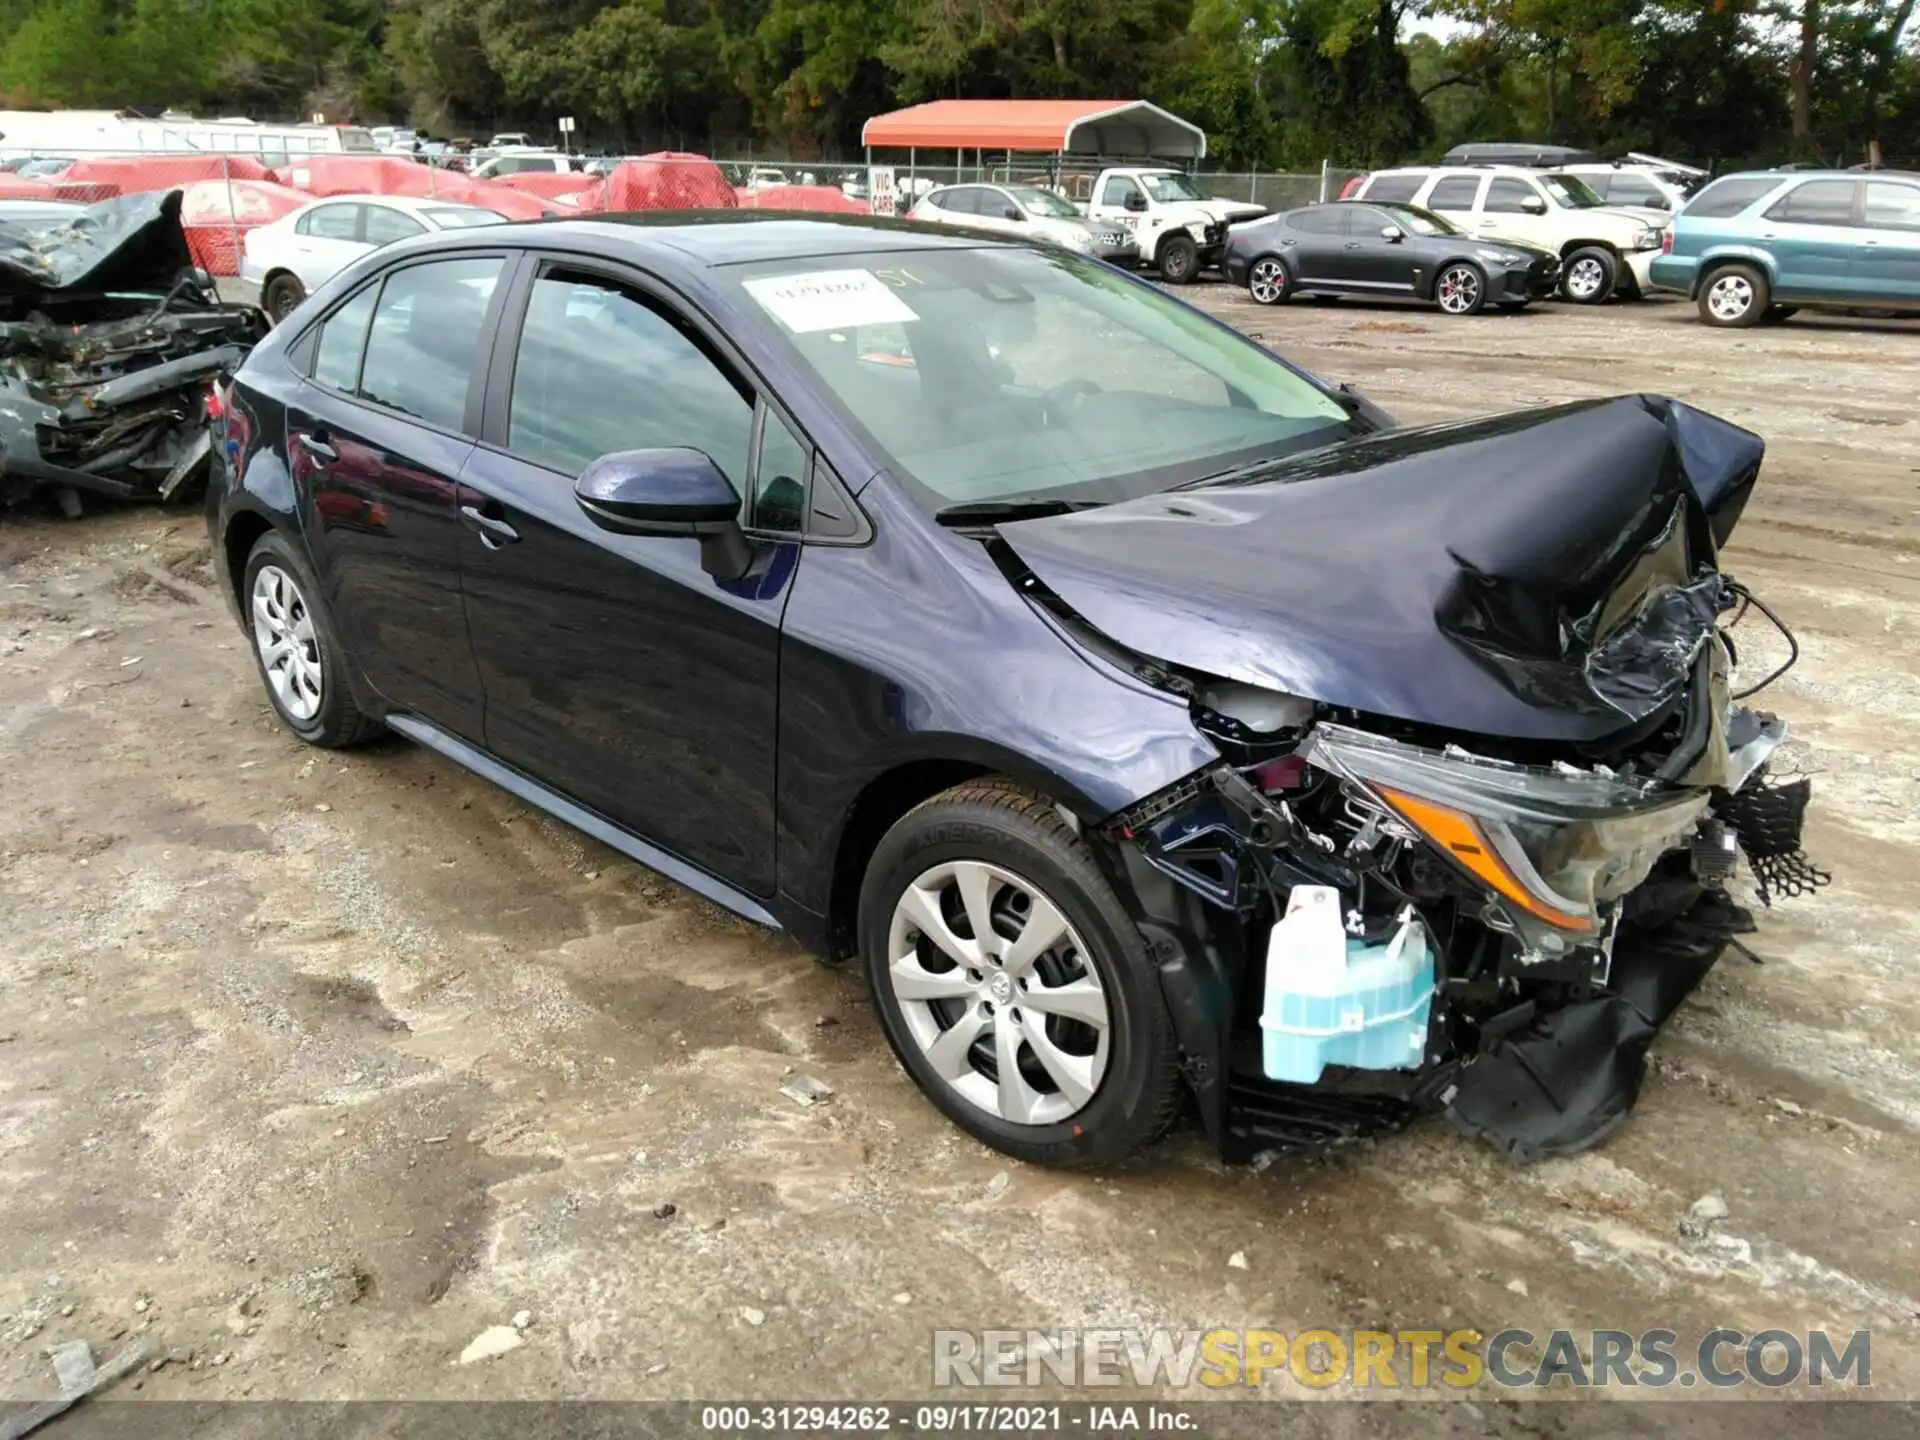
(1157, 725)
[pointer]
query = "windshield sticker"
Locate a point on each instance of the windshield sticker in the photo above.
(829, 300)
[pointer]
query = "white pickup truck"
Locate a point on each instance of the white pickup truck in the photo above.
(1181, 230)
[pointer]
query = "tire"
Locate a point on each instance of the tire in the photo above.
(296, 649)
(1178, 260)
(1460, 288)
(1268, 281)
(1734, 297)
(1111, 1082)
(1589, 275)
(282, 296)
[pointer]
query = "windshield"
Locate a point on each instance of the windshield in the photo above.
(997, 375)
(1172, 186)
(1042, 202)
(460, 217)
(1421, 222)
(1570, 191)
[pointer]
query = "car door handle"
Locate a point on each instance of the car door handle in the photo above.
(1353, 245)
(319, 449)
(493, 530)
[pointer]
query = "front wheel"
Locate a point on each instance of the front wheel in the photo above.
(1179, 260)
(1460, 289)
(1012, 983)
(1268, 281)
(1734, 297)
(1589, 276)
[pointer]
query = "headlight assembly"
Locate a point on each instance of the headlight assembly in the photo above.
(1555, 844)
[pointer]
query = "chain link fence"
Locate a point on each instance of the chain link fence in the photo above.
(226, 195)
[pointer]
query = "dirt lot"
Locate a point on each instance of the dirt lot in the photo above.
(314, 1066)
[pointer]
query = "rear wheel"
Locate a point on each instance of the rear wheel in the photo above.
(1734, 297)
(296, 651)
(1268, 281)
(282, 296)
(1590, 275)
(1178, 260)
(1012, 983)
(1460, 289)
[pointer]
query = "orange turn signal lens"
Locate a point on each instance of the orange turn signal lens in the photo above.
(1462, 840)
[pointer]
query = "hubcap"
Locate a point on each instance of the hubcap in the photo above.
(1584, 278)
(1459, 289)
(1266, 282)
(1730, 297)
(289, 650)
(998, 992)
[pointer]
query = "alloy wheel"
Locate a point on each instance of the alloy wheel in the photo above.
(1268, 282)
(289, 649)
(998, 992)
(1458, 290)
(1585, 277)
(1730, 297)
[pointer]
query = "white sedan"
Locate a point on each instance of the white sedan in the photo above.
(302, 251)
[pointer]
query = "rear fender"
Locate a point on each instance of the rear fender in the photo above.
(1733, 253)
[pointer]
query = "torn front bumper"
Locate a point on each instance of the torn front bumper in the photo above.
(1515, 988)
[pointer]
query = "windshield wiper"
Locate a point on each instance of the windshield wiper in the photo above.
(993, 512)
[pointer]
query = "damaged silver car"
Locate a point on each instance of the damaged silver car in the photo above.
(110, 340)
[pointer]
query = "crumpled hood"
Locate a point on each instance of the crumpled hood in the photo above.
(133, 243)
(1504, 576)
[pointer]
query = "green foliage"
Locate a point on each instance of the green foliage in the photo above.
(1273, 82)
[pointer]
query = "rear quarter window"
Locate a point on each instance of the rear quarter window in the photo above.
(1394, 187)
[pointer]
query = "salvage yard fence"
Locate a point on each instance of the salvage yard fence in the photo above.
(225, 195)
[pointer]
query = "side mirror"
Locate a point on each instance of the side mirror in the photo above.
(1534, 205)
(668, 492)
(1391, 234)
(1135, 200)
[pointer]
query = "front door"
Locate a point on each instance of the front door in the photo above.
(1809, 231)
(1374, 262)
(1514, 209)
(616, 670)
(377, 439)
(1886, 248)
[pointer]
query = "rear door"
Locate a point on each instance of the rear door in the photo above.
(377, 437)
(327, 239)
(1886, 247)
(616, 670)
(1810, 233)
(1314, 240)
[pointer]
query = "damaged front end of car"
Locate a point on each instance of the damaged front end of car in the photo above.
(1362, 911)
(109, 344)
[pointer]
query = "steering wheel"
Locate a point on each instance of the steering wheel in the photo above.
(1058, 401)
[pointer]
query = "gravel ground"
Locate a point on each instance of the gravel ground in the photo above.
(314, 1066)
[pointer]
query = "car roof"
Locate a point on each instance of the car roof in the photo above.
(412, 204)
(709, 238)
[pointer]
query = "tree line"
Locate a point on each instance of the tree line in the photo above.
(1275, 83)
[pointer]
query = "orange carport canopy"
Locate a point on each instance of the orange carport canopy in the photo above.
(1084, 127)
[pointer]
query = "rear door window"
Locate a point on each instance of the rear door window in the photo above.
(1320, 220)
(425, 336)
(1818, 202)
(601, 369)
(331, 222)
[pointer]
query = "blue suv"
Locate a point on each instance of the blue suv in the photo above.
(1758, 247)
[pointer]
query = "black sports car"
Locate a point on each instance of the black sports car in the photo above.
(1393, 251)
